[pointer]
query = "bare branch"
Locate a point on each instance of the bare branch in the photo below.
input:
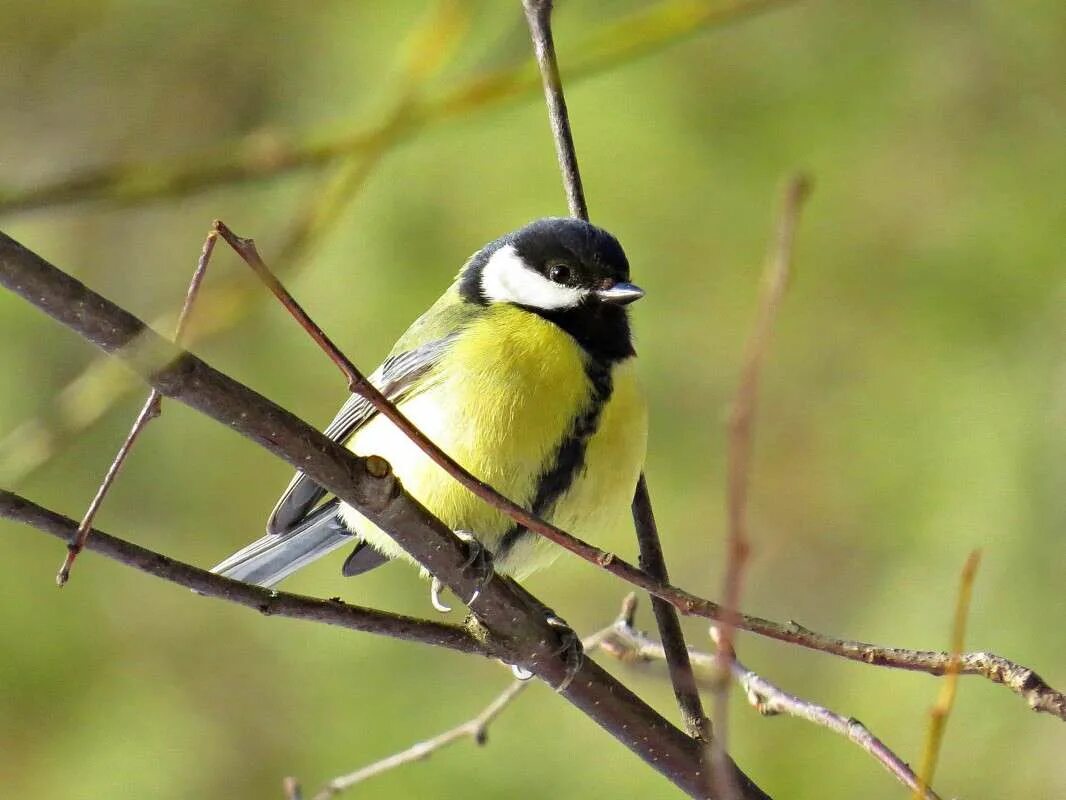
(513, 619)
(938, 715)
(538, 16)
(475, 728)
(265, 601)
(653, 562)
(741, 439)
(152, 408)
(630, 645)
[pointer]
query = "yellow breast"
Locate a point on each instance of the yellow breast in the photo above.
(501, 402)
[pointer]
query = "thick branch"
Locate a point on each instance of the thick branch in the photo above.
(514, 620)
(265, 601)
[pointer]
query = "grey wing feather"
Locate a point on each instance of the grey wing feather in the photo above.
(396, 379)
(266, 561)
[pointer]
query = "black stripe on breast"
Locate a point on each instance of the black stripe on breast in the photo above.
(569, 458)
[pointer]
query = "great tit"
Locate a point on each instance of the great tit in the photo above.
(523, 371)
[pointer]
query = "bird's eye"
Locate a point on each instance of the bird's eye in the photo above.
(560, 273)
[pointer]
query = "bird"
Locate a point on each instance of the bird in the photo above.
(524, 372)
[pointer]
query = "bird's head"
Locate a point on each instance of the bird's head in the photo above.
(553, 265)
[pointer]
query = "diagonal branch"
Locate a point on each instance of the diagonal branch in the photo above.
(538, 16)
(265, 601)
(475, 728)
(152, 408)
(514, 620)
(630, 645)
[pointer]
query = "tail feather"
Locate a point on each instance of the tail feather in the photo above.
(277, 555)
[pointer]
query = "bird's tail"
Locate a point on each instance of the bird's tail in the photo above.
(277, 555)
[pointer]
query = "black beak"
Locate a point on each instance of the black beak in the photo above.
(620, 294)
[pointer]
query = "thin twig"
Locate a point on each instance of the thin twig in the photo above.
(538, 16)
(624, 40)
(630, 645)
(741, 437)
(651, 558)
(267, 602)
(667, 620)
(182, 376)
(475, 728)
(153, 407)
(938, 715)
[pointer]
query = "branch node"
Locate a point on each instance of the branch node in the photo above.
(377, 467)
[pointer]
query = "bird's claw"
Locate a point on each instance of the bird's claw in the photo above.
(570, 647)
(478, 559)
(435, 587)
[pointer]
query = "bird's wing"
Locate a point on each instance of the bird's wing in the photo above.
(397, 378)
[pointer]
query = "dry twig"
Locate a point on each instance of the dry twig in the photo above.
(152, 408)
(741, 439)
(475, 728)
(630, 645)
(938, 715)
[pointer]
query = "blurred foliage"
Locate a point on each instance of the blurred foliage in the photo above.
(914, 406)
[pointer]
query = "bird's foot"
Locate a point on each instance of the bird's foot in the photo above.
(570, 648)
(478, 559)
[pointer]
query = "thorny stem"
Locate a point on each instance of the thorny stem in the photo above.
(152, 408)
(741, 439)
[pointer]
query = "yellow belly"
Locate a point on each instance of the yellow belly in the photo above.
(506, 397)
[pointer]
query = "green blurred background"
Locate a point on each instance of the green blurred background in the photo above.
(914, 404)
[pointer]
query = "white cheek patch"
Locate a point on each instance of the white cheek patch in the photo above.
(506, 278)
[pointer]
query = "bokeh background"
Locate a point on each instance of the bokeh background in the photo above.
(914, 405)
